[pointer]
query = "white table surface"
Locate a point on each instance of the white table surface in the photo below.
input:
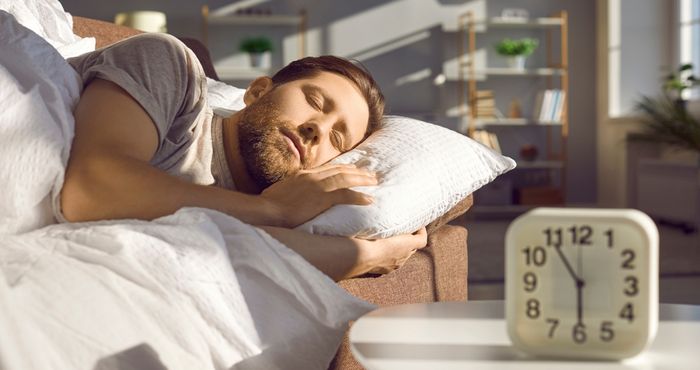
(472, 335)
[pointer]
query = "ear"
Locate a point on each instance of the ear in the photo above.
(259, 87)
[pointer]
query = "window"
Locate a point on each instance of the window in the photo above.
(690, 38)
(639, 51)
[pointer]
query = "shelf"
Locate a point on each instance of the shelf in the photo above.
(481, 74)
(240, 73)
(543, 22)
(520, 72)
(231, 15)
(252, 20)
(530, 165)
(481, 122)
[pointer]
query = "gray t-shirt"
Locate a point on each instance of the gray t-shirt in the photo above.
(167, 80)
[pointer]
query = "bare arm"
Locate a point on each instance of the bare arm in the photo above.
(109, 175)
(342, 258)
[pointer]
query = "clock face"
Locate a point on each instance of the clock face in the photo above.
(582, 282)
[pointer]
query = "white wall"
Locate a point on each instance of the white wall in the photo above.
(402, 43)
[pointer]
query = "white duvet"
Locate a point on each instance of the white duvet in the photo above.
(193, 290)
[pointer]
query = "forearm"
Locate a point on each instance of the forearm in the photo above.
(113, 187)
(338, 257)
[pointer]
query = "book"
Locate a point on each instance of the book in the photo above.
(556, 94)
(549, 105)
(558, 112)
(546, 102)
(537, 107)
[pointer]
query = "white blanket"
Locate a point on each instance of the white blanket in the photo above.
(194, 290)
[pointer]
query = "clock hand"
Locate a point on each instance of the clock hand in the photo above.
(579, 284)
(566, 263)
(579, 300)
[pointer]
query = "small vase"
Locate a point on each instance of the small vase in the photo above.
(256, 60)
(517, 62)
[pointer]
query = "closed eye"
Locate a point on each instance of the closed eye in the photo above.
(337, 139)
(314, 101)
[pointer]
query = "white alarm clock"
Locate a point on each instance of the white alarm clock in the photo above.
(582, 283)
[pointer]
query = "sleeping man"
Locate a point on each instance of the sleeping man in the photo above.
(146, 144)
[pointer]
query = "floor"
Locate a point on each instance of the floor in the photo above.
(679, 262)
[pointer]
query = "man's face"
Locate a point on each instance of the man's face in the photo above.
(301, 124)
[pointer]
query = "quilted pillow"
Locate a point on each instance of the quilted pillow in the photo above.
(424, 170)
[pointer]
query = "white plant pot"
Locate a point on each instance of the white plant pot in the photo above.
(260, 60)
(517, 62)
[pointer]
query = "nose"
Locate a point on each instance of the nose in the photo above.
(313, 131)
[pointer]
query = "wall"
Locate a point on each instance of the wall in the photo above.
(402, 42)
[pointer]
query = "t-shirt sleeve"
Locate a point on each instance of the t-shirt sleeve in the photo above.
(159, 72)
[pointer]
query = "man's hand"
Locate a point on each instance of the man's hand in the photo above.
(343, 258)
(300, 197)
(387, 255)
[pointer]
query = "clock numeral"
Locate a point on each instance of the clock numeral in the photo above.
(606, 332)
(536, 256)
(632, 289)
(609, 234)
(554, 323)
(533, 308)
(553, 237)
(581, 235)
(530, 280)
(579, 333)
(627, 312)
(628, 255)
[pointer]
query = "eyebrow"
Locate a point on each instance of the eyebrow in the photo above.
(330, 103)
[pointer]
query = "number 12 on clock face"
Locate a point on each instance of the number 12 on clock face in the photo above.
(582, 283)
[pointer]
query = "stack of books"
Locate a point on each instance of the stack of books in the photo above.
(487, 139)
(549, 105)
(485, 104)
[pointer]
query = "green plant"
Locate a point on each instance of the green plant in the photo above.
(667, 121)
(511, 48)
(256, 45)
(681, 80)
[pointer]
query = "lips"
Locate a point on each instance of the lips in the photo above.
(297, 146)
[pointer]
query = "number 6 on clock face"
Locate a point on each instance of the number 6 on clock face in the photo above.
(582, 283)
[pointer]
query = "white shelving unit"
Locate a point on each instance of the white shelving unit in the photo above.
(227, 16)
(468, 72)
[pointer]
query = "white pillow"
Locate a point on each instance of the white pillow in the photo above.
(424, 170)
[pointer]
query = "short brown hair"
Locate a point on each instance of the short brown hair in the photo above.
(355, 72)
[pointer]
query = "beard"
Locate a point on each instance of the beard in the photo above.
(264, 150)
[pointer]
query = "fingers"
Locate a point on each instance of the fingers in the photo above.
(347, 196)
(346, 180)
(328, 170)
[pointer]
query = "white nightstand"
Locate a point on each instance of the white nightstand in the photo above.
(472, 335)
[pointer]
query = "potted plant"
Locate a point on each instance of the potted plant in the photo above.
(256, 47)
(516, 51)
(677, 82)
(667, 120)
